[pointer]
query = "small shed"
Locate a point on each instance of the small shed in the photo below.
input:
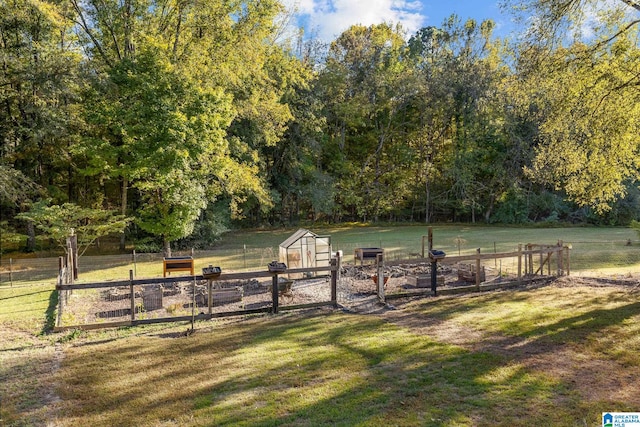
(304, 249)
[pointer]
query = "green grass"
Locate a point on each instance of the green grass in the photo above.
(508, 358)
(594, 249)
(28, 308)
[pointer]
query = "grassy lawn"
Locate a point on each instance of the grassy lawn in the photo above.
(596, 250)
(556, 355)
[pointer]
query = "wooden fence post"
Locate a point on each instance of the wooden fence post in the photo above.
(193, 302)
(133, 297)
(560, 254)
(11, 271)
(380, 273)
(209, 297)
(478, 275)
(133, 258)
(274, 292)
(335, 265)
(519, 262)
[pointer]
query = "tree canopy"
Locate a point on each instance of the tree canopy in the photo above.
(186, 115)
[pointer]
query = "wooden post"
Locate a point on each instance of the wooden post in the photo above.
(209, 300)
(133, 256)
(380, 272)
(11, 271)
(560, 254)
(133, 297)
(568, 260)
(335, 265)
(193, 304)
(478, 275)
(74, 247)
(519, 262)
(274, 293)
(530, 249)
(541, 263)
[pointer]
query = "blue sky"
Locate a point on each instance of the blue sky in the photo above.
(328, 18)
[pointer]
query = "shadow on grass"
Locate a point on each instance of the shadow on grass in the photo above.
(317, 370)
(50, 313)
(24, 295)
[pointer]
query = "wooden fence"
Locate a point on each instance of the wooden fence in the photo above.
(533, 260)
(66, 287)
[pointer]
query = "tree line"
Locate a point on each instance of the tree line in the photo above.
(179, 118)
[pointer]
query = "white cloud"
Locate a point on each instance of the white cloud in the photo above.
(329, 18)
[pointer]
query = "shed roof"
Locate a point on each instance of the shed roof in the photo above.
(297, 236)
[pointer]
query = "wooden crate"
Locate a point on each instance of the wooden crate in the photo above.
(467, 273)
(183, 263)
(424, 280)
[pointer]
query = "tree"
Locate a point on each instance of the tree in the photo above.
(58, 222)
(165, 103)
(366, 85)
(460, 138)
(587, 100)
(39, 117)
(37, 91)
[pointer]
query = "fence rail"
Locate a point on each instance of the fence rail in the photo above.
(108, 302)
(169, 299)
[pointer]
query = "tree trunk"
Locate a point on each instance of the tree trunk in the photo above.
(487, 214)
(31, 237)
(166, 247)
(123, 209)
(427, 201)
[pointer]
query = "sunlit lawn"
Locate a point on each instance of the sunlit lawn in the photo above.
(529, 354)
(599, 250)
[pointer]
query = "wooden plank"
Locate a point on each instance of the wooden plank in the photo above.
(472, 257)
(162, 280)
(309, 305)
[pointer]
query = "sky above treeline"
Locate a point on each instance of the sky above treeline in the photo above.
(326, 19)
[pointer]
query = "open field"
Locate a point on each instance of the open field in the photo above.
(557, 355)
(595, 250)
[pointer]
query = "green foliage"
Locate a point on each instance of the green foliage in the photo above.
(214, 221)
(589, 129)
(167, 108)
(61, 221)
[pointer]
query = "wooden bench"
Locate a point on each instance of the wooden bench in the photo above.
(183, 263)
(363, 254)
